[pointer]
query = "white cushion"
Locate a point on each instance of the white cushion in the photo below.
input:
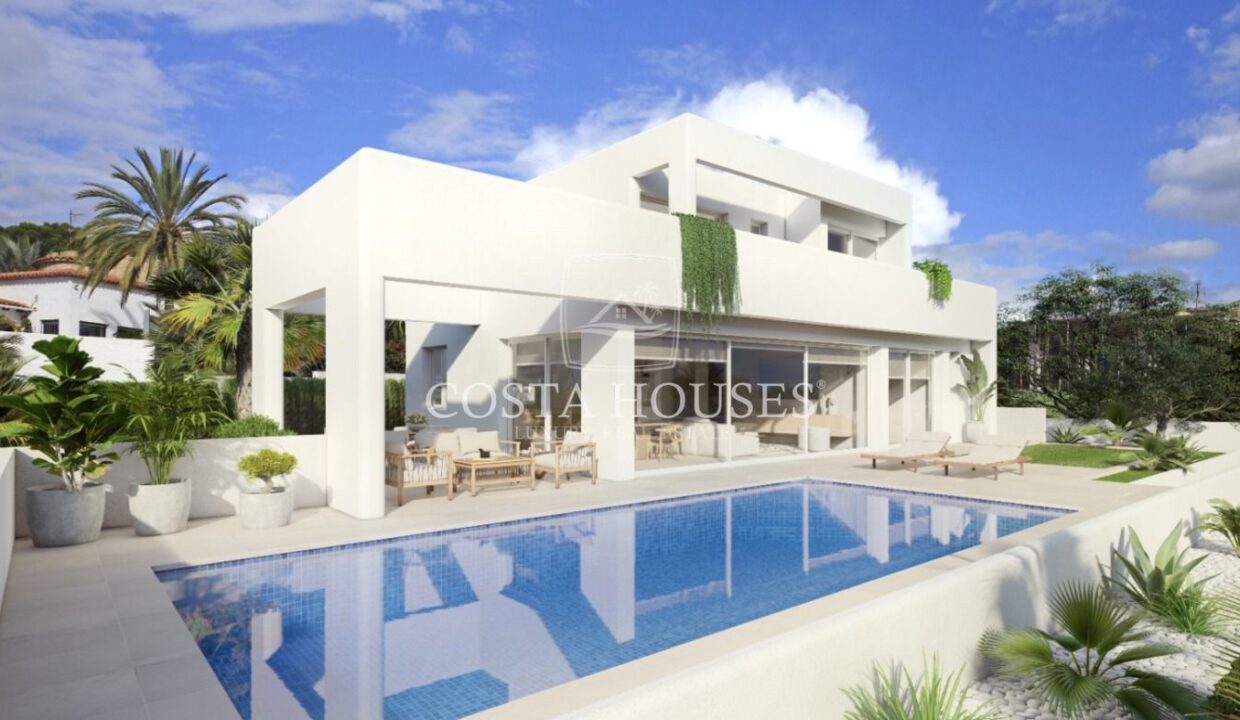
(467, 440)
(574, 437)
(488, 440)
(394, 448)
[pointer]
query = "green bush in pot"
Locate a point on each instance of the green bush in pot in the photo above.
(271, 506)
(68, 419)
(174, 406)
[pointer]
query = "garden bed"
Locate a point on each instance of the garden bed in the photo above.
(1093, 456)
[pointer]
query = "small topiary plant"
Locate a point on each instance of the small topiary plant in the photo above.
(415, 419)
(265, 465)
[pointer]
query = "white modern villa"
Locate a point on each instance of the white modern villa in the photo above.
(517, 293)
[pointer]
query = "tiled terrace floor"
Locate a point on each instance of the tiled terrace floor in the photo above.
(88, 632)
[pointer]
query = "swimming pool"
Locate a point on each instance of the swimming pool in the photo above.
(442, 625)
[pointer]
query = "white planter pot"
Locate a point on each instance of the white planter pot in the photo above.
(264, 511)
(58, 517)
(974, 431)
(160, 509)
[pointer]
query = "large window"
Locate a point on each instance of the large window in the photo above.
(90, 329)
(908, 394)
(765, 398)
(837, 392)
(49, 327)
(548, 387)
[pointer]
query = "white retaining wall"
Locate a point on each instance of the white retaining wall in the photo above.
(7, 515)
(801, 672)
(1026, 424)
(212, 466)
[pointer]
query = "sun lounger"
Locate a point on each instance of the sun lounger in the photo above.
(916, 447)
(989, 454)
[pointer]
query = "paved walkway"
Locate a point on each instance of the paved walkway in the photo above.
(88, 632)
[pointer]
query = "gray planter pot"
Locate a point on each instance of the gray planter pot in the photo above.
(58, 517)
(974, 431)
(263, 511)
(160, 509)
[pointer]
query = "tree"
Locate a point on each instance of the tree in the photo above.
(144, 225)
(50, 237)
(18, 253)
(1096, 337)
(210, 305)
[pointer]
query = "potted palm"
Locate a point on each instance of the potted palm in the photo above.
(270, 505)
(66, 418)
(978, 388)
(174, 406)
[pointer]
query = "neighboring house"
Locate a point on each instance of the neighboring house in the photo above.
(53, 298)
(532, 284)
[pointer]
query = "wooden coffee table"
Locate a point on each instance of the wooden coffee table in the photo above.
(508, 469)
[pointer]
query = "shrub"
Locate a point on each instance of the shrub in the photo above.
(174, 405)
(895, 695)
(1225, 520)
(66, 415)
(252, 426)
(1089, 668)
(1161, 452)
(415, 419)
(1225, 700)
(1069, 434)
(1120, 424)
(1162, 584)
(267, 464)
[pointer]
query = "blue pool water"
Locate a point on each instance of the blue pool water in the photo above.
(447, 624)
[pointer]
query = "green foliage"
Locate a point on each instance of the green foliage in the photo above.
(939, 277)
(896, 695)
(415, 419)
(65, 416)
(1225, 520)
(1085, 337)
(1079, 455)
(19, 253)
(1163, 585)
(251, 426)
(48, 237)
(393, 403)
(305, 405)
(267, 464)
(709, 279)
(143, 224)
(175, 405)
(1162, 452)
(1069, 434)
(1090, 667)
(1119, 424)
(1225, 700)
(977, 385)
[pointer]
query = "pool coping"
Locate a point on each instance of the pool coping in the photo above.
(165, 664)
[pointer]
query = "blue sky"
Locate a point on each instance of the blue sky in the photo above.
(1034, 134)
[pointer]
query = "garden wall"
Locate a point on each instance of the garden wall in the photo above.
(799, 668)
(7, 515)
(1025, 424)
(211, 466)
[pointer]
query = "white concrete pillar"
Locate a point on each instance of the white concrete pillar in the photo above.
(355, 431)
(268, 357)
(609, 401)
(876, 398)
(941, 415)
(990, 356)
(682, 178)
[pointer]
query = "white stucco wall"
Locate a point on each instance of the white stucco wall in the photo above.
(68, 300)
(117, 357)
(212, 467)
(8, 514)
(1027, 424)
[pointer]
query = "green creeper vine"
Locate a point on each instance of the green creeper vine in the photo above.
(940, 278)
(708, 269)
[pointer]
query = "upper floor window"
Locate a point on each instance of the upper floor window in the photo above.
(90, 329)
(50, 327)
(436, 363)
(848, 243)
(757, 227)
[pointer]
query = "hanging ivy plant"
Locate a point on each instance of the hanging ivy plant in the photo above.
(708, 269)
(940, 278)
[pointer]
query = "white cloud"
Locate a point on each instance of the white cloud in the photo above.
(1176, 251)
(1064, 13)
(72, 104)
(230, 15)
(461, 125)
(1201, 182)
(265, 191)
(1009, 261)
(458, 39)
(820, 123)
(696, 62)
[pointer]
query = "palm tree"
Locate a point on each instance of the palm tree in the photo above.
(1090, 661)
(144, 225)
(210, 305)
(18, 253)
